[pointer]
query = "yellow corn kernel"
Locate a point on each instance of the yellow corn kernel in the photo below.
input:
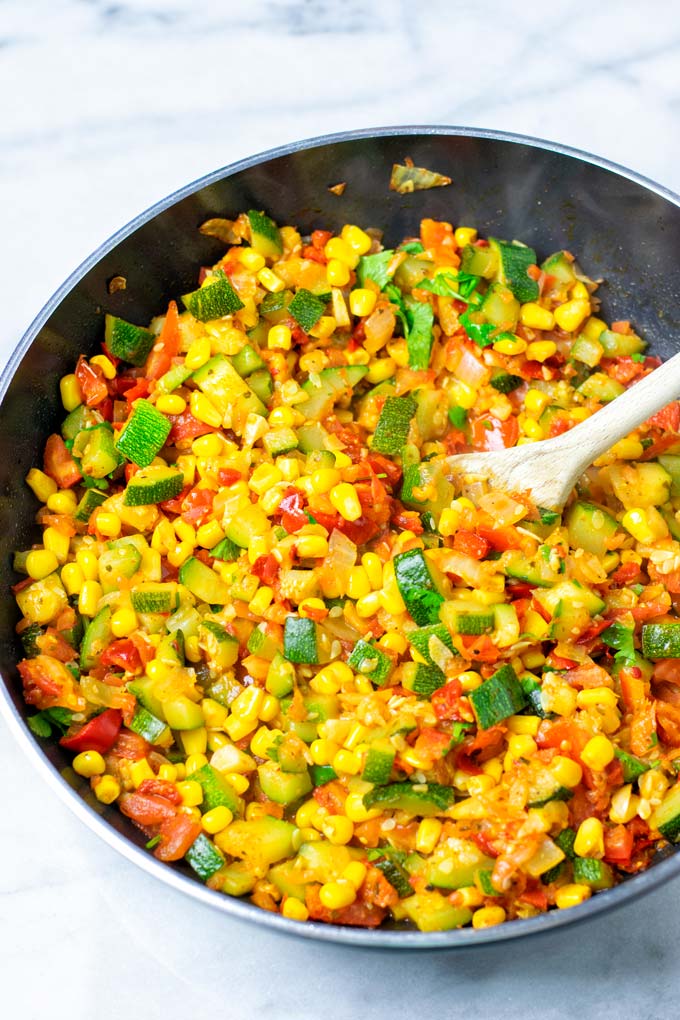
(62, 502)
(261, 742)
(469, 896)
(261, 600)
(362, 301)
(494, 768)
(598, 753)
(373, 567)
(239, 727)
(571, 314)
(194, 742)
(216, 820)
(324, 480)
(355, 873)
(270, 281)
(325, 328)
(566, 771)
(40, 563)
(269, 709)
(89, 597)
(210, 445)
(107, 790)
(191, 792)
(205, 410)
(623, 805)
(393, 642)
(185, 532)
(356, 811)
(536, 402)
(358, 584)
(356, 238)
(280, 336)
(42, 485)
(487, 917)
(89, 763)
(69, 389)
(593, 328)
(532, 429)
(381, 369)
(597, 696)
(336, 895)
(521, 745)
(653, 784)
(347, 761)
(310, 607)
(325, 682)
(523, 724)
(541, 350)
(238, 782)
(368, 605)
(140, 770)
(589, 840)
(427, 836)
(123, 622)
(72, 578)
(57, 542)
(109, 524)
(171, 403)
(294, 909)
(251, 260)
(248, 702)
(470, 680)
(337, 829)
(199, 352)
(323, 750)
(629, 448)
(580, 291)
(533, 315)
(311, 546)
(195, 762)
(107, 366)
(168, 772)
(345, 500)
(192, 649)
(338, 248)
(571, 895)
(209, 534)
(307, 813)
(214, 713)
(464, 236)
(645, 524)
(510, 345)
(337, 273)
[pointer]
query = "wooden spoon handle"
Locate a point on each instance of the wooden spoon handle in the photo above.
(584, 443)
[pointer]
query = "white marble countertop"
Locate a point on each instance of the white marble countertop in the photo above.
(107, 106)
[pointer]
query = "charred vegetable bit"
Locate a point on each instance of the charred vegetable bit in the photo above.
(270, 631)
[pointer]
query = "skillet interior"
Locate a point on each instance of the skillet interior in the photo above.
(620, 229)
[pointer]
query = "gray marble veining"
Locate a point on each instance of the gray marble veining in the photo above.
(107, 105)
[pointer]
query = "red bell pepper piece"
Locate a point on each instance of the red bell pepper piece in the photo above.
(99, 734)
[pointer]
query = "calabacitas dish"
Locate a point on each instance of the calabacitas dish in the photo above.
(469, 672)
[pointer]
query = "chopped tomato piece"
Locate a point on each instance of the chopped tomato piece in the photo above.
(185, 426)
(293, 516)
(99, 734)
(122, 653)
(177, 835)
(147, 809)
(166, 347)
(161, 788)
(197, 506)
(92, 382)
(618, 844)
(471, 544)
(59, 464)
(266, 568)
(668, 418)
(490, 433)
(445, 700)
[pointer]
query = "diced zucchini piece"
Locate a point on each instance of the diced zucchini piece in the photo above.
(322, 774)
(299, 640)
(279, 441)
(599, 386)
(424, 799)
(514, 261)
(430, 911)
(419, 586)
(395, 875)
(639, 485)
(153, 484)
(393, 425)
(500, 307)
(95, 450)
(590, 871)
(220, 646)
(226, 550)
(217, 792)
(373, 662)
(262, 384)
(247, 361)
(543, 787)
(126, 341)
(633, 767)
(143, 435)
(504, 382)
(260, 643)
(666, 817)
(661, 640)
(590, 528)
(274, 307)
(479, 261)
(379, 761)
(204, 857)
(42, 601)
(424, 639)
(204, 583)
(328, 387)
(213, 300)
(29, 640)
(174, 377)
(618, 345)
(457, 866)
(265, 236)
(671, 465)
(306, 308)
(571, 607)
(149, 726)
(182, 713)
(588, 352)
(288, 879)
(283, 787)
(469, 618)
(262, 841)
(561, 267)
(121, 559)
(82, 417)
(92, 499)
(426, 680)
(221, 383)
(497, 698)
(565, 841)
(154, 597)
(98, 636)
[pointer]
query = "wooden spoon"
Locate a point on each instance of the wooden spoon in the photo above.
(550, 469)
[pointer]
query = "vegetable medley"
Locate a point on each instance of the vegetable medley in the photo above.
(270, 630)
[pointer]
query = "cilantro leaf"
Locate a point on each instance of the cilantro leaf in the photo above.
(483, 333)
(413, 247)
(60, 718)
(39, 725)
(458, 417)
(640, 358)
(460, 286)
(548, 516)
(374, 267)
(420, 319)
(620, 638)
(397, 298)
(154, 841)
